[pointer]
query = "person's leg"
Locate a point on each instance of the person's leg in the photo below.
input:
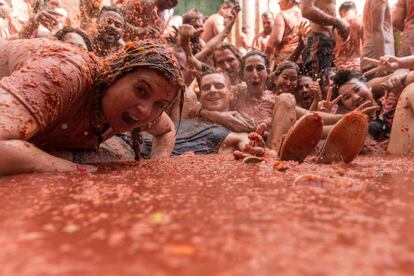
(402, 132)
(283, 118)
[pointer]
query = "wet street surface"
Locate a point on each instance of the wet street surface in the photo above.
(212, 216)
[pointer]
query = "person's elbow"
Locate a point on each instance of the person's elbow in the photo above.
(307, 12)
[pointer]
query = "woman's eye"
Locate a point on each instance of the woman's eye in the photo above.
(160, 105)
(140, 92)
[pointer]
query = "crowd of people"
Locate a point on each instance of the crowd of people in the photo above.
(135, 81)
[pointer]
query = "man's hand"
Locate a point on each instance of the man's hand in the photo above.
(383, 65)
(230, 19)
(47, 18)
(256, 146)
(188, 31)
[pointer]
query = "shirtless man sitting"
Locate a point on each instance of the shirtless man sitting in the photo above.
(324, 22)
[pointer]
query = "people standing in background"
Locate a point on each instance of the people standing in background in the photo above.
(215, 23)
(261, 39)
(348, 52)
(403, 20)
(318, 54)
(285, 32)
(378, 32)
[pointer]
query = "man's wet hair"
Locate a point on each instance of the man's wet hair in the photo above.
(227, 46)
(63, 32)
(110, 9)
(190, 15)
(213, 72)
(347, 6)
(268, 14)
(342, 77)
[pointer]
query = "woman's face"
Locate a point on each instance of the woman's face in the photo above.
(137, 99)
(255, 73)
(287, 81)
(354, 93)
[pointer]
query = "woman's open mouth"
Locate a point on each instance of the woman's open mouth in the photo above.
(129, 119)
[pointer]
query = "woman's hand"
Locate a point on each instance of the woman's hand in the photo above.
(329, 105)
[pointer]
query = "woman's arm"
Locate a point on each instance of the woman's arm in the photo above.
(18, 156)
(163, 140)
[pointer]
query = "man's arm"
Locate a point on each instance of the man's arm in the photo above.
(208, 49)
(226, 119)
(378, 14)
(398, 15)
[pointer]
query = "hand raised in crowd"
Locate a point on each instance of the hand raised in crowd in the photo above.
(329, 105)
(230, 19)
(47, 18)
(188, 31)
(383, 65)
(315, 90)
(367, 108)
(304, 28)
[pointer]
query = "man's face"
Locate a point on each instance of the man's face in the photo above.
(225, 9)
(215, 94)
(228, 63)
(111, 26)
(304, 95)
(350, 14)
(267, 24)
